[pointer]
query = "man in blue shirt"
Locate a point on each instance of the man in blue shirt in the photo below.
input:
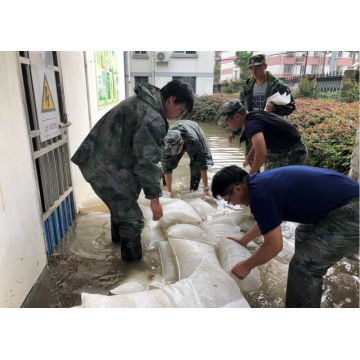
(324, 202)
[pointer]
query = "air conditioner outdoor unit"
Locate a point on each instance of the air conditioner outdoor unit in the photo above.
(162, 56)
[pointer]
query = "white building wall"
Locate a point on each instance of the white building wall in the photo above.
(82, 106)
(201, 67)
(22, 247)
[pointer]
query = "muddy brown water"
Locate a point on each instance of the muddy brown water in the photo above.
(87, 260)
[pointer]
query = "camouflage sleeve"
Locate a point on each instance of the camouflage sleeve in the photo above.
(284, 110)
(147, 149)
(242, 99)
(167, 164)
(200, 159)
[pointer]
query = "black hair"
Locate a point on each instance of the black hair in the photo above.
(183, 92)
(224, 178)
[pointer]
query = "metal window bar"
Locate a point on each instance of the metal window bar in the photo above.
(51, 161)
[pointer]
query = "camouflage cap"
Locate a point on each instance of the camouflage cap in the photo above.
(172, 142)
(229, 108)
(257, 59)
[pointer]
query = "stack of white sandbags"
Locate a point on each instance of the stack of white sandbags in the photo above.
(208, 287)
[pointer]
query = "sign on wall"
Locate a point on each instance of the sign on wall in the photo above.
(46, 96)
(107, 78)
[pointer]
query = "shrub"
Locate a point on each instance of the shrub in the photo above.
(207, 107)
(329, 131)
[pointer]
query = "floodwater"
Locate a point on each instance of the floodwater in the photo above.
(87, 260)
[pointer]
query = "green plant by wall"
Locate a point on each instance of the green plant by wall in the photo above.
(352, 93)
(241, 62)
(308, 88)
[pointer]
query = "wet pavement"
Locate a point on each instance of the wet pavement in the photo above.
(87, 261)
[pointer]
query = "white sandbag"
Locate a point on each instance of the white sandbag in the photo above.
(179, 212)
(168, 262)
(189, 255)
(221, 220)
(214, 286)
(148, 214)
(153, 235)
(189, 232)
(221, 228)
(92, 203)
(238, 216)
(208, 286)
(202, 208)
(231, 253)
(192, 195)
(163, 201)
(128, 288)
(242, 303)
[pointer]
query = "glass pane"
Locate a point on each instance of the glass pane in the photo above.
(44, 58)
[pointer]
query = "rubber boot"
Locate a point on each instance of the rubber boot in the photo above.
(115, 231)
(194, 182)
(131, 249)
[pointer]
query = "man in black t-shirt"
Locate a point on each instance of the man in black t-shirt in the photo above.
(275, 141)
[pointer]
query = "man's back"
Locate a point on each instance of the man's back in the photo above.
(110, 144)
(297, 193)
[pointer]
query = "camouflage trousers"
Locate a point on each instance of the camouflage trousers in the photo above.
(294, 155)
(119, 190)
(319, 246)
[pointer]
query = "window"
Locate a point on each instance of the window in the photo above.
(184, 54)
(217, 53)
(141, 80)
(317, 53)
(350, 54)
(141, 54)
(338, 69)
(340, 54)
(188, 79)
(288, 69)
(302, 69)
(314, 69)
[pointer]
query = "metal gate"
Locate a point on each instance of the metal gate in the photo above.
(50, 156)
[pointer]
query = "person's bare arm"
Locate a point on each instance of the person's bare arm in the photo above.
(260, 155)
(272, 245)
(168, 180)
(252, 234)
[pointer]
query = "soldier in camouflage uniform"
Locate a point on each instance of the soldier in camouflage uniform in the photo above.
(323, 202)
(258, 89)
(186, 135)
(276, 142)
(121, 155)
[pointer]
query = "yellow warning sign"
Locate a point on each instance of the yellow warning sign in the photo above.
(47, 99)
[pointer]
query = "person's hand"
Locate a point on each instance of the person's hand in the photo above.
(156, 209)
(238, 240)
(207, 192)
(240, 270)
(245, 163)
(270, 107)
(231, 137)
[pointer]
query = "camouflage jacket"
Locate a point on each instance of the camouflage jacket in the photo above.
(130, 137)
(274, 85)
(195, 145)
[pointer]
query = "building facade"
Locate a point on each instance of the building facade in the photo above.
(160, 67)
(292, 63)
